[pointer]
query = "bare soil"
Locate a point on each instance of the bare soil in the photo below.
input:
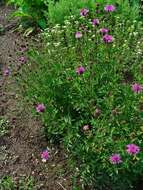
(20, 148)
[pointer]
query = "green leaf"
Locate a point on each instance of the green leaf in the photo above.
(42, 23)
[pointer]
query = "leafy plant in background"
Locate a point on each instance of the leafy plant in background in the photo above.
(57, 12)
(86, 84)
(39, 13)
(31, 12)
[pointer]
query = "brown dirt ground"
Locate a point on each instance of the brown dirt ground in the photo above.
(20, 148)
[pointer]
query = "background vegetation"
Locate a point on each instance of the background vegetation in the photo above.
(40, 13)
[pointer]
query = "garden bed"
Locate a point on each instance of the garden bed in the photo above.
(72, 95)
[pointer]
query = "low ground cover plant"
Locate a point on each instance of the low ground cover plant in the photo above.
(4, 125)
(7, 183)
(86, 83)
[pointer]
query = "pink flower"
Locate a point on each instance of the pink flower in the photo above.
(86, 127)
(133, 149)
(40, 108)
(137, 88)
(78, 35)
(95, 21)
(97, 112)
(23, 48)
(80, 70)
(107, 38)
(104, 30)
(84, 12)
(22, 59)
(109, 8)
(6, 72)
(45, 155)
(115, 159)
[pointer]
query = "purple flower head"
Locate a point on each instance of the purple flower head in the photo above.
(40, 108)
(133, 149)
(45, 155)
(107, 38)
(84, 12)
(115, 159)
(86, 127)
(109, 8)
(23, 48)
(103, 30)
(97, 112)
(6, 72)
(137, 88)
(95, 22)
(22, 59)
(80, 70)
(78, 35)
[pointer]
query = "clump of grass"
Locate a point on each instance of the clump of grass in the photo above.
(7, 183)
(4, 126)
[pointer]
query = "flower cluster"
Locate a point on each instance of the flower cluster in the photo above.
(115, 159)
(109, 8)
(132, 149)
(22, 59)
(95, 22)
(78, 35)
(107, 38)
(45, 155)
(40, 108)
(80, 70)
(137, 88)
(82, 97)
(84, 12)
(6, 72)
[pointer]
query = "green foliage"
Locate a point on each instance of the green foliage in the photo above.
(31, 12)
(57, 12)
(3, 126)
(7, 183)
(72, 100)
(41, 12)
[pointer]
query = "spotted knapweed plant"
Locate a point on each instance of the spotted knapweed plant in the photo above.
(86, 82)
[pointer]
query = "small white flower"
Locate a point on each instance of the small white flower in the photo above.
(56, 44)
(76, 22)
(48, 44)
(135, 33)
(44, 160)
